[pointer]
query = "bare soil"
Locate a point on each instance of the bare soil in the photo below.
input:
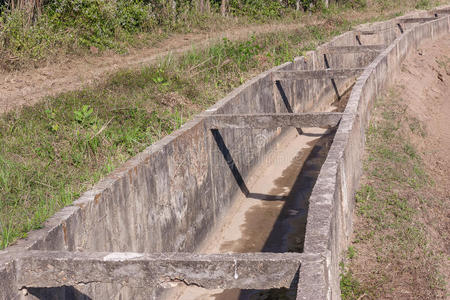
(423, 86)
(27, 87)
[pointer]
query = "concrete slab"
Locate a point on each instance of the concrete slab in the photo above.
(366, 32)
(354, 49)
(444, 11)
(139, 270)
(278, 120)
(416, 20)
(316, 74)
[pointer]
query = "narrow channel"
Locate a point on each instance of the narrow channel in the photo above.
(272, 218)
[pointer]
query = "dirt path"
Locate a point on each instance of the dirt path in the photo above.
(26, 88)
(425, 85)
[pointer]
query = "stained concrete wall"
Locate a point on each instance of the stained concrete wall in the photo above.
(330, 213)
(8, 288)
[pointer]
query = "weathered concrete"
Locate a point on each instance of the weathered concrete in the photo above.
(311, 285)
(141, 270)
(416, 20)
(8, 280)
(444, 11)
(316, 74)
(167, 198)
(279, 120)
(355, 49)
(366, 32)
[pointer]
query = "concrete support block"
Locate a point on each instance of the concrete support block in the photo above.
(416, 20)
(279, 120)
(443, 11)
(313, 284)
(139, 270)
(354, 49)
(366, 32)
(316, 74)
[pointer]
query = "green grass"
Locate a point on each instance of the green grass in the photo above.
(390, 233)
(350, 286)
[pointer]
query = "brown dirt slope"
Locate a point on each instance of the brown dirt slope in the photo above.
(425, 85)
(401, 244)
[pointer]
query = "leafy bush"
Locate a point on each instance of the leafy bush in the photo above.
(313, 5)
(256, 9)
(98, 21)
(133, 15)
(25, 41)
(355, 4)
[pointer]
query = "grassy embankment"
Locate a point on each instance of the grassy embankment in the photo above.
(391, 251)
(57, 149)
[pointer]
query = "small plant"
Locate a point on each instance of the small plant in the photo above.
(410, 150)
(350, 287)
(85, 116)
(6, 235)
(51, 116)
(159, 77)
(351, 252)
(312, 5)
